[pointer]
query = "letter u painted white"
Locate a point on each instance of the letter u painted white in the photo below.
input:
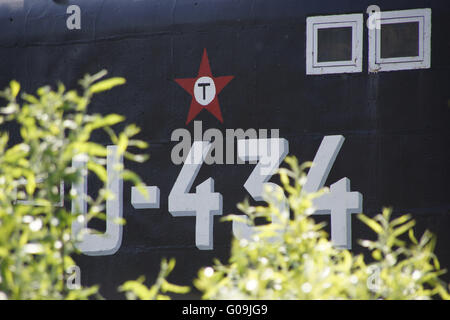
(109, 242)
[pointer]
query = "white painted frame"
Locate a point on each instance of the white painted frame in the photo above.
(313, 24)
(422, 61)
(33, 203)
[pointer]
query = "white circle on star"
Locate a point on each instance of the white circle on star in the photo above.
(204, 90)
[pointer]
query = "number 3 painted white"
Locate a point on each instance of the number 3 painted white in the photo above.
(270, 153)
(109, 242)
(204, 204)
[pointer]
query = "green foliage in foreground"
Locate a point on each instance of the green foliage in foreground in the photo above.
(36, 242)
(135, 289)
(290, 258)
(293, 258)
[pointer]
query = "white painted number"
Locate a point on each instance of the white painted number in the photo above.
(203, 204)
(269, 153)
(339, 202)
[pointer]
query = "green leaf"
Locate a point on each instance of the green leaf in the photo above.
(377, 255)
(169, 287)
(15, 88)
(372, 224)
(106, 121)
(9, 109)
(31, 183)
(237, 218)
(402, 229)
(91, 148)
(30, 98)
(131, 176)
(400, 220)
(122, 144)
(106, 84)
(119, 221)
(132, 130)
(138, 144)
(412, 237)
(98, 75)
(99, 170)
(136, 157)
(137, 288)
(112, 134)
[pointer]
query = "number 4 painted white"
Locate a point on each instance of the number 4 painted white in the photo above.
(204, 204)
(109, 242)
(340, 203)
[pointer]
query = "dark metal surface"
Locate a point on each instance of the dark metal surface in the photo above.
(396, 124)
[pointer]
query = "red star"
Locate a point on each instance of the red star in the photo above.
(219, 83)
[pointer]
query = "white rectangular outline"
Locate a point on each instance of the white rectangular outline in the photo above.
(422, 61)
(313, 24)
(378, 58)
(316, 27)
(33, 203)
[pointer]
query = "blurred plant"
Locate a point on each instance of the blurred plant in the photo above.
(136, 289)
(292, 258)
(402, 269)
(36, 243)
